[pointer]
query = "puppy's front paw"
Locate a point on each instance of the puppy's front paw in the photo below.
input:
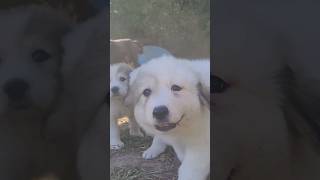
(117, 145)
(136, 132)
(151, 153)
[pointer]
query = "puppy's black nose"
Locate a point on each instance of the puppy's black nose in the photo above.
(16, 89)
(160, 112)
(115, 90)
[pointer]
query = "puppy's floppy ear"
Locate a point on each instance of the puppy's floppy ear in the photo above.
(128, 70)
(204, 94)
(124, 68)
(204, 89)
(201, 68)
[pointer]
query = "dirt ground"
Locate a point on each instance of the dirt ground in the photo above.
(128, 164)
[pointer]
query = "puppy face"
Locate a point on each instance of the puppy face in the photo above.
(30, 57)
(166, 93)
(119, 79)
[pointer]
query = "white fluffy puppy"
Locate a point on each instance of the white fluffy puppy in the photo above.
(119, 84)
(202, 69)
(169, 102)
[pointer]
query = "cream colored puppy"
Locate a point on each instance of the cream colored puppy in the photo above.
(119, 84)
(169, 103)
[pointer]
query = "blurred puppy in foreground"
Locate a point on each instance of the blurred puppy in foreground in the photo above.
(255, 134)
(251, 137)
(30, 80)
(266, 92)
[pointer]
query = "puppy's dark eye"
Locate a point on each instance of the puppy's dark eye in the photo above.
(40, 55)
(176, 88)
(218, 85)
(146, 92)
(122, 79)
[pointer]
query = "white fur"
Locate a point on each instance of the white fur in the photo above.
(202, 68)
(117, 107)
(191, 137)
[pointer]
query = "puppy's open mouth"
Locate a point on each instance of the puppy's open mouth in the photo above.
(166, 126)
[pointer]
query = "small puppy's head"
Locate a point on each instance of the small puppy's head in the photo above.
(30, 58)
(119, 79)
(166, 93)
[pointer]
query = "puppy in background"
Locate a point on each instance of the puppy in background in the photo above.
(30, 80)
(119, 85)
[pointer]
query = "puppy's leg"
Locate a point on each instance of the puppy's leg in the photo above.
(157, 147)
(134, 126)
(180, 152)
(115, 142)
(196, 165)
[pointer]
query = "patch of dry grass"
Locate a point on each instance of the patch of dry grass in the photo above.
(128, 164)
(122, 173)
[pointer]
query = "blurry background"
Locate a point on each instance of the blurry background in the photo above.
(180, 26)
(79, 9)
